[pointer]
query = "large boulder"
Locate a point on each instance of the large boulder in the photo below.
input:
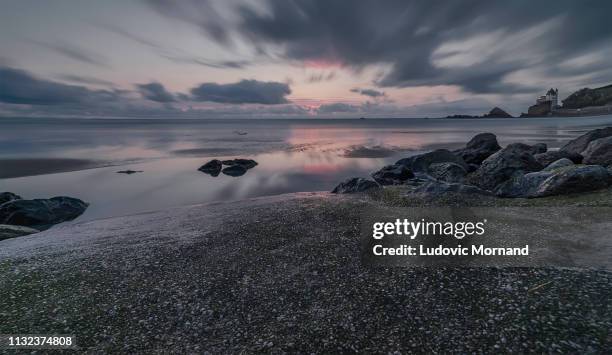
(573, 179)
(421, 162)
(502, 165)
(213, 167)
(522, 185)
(539, 148)
(479, 148)
(8, 196)
(393, 175)
(353, 185)
(561, 163)
(449, 172)
(246, 163)
(8, 231)
(41, 213)
(554, 155)
(599, 152)
(580, 144)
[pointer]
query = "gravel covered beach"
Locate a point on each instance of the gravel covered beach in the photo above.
(283, 275)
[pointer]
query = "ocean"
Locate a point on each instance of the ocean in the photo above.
(81, 157)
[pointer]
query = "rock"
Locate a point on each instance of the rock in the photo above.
(421, 162)
(573, 179)
(589, 97)
(580, 144)
(497, 112)
(235, 170)
(472, 167)
(246, 163)
(500, 166)
(539, 148)
(393, 175)
(554, 155)
(538, 110)
(599, 152)
(8, 196)
(353, 185)
(41, 213)
(522, 185)
(8, 231)
(563, 162)
(479, 148)
(449, 172)
(436, 188)
(129, 172)
(213, 167)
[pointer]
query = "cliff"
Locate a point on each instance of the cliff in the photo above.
(589, 97)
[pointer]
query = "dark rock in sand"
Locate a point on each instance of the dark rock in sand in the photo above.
(246, 163)
(421, 162)
(449, 172)
(393, 175)
(41, 213)
(580, 144)
(501, 166)
(576, 178)
(599, 152)
(561, 163)
(235, 170)
(437, 188)
(539, 148)
(479, 148)
(213, 167)
(554, 155)
(8, 196)
(129, 172)
(8, 231)
(353, 185)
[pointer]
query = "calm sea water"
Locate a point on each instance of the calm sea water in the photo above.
(293, 155)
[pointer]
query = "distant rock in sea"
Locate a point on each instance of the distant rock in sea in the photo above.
(212, 168)
(497, 112)
(129, 172)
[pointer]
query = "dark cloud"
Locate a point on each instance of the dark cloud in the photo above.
(368, 92)
(242, 92)
(76, 53)
(338, 107)
(20, 87)
(475, 44)
(155, 92)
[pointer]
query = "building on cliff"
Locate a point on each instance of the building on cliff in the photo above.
(545, 105)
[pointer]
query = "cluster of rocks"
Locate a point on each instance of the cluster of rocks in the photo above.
(517, 170)
(21, 217)
(234, 167)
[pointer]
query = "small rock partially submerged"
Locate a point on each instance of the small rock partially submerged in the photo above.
(246, 163)
(9, 231)
(234, 170)
(393, 175)
(213, 167)
(353, 185)
(129, 172)
(41, 213)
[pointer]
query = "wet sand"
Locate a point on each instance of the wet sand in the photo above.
(12, 168)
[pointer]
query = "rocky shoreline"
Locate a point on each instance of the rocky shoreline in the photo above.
(517, 170)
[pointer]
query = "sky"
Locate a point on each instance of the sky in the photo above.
(284, 58)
